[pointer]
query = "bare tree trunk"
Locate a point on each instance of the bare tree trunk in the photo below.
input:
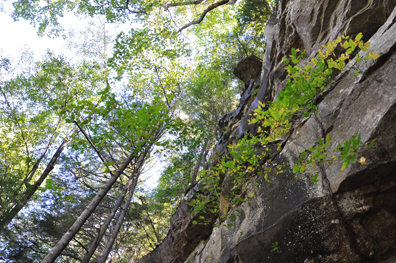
(209, 147)
(64, 241)
(202, 158)
(120, 220)
(206, 163)
(106, 224)
(31, 189)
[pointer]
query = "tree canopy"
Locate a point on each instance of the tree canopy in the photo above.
(80, 133)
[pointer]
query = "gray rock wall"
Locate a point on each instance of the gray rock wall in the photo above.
(350, 214)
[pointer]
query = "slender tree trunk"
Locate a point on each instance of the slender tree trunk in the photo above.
(31, 189)
(120, 220)
(209, 146)
(37, 164)
(102, 231)
(151, 221)
(117, 249)
(64, 241)
(206, 163)
(148, 237)
(133, 256)
(202, 157)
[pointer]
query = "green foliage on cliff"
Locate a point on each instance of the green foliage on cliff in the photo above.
(275, 122)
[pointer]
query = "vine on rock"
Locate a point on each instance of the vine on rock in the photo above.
(275, 123)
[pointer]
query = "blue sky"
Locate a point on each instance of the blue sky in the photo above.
(15, 36)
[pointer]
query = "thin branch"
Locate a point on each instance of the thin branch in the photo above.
(132, 11)
(93, 146)
(151, 221)
(36, 165)
(148, 237)
(117, 250)
(71, 255)
(242, 45)
(207, 10)
(18, 124)
(162, 86)
(197, 2)
(78, 242)
(171, 17)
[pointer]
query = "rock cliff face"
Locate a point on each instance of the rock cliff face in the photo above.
(350, 214)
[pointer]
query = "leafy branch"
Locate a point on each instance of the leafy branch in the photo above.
(275, 123)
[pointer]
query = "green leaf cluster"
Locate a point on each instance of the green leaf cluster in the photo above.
(275, 121)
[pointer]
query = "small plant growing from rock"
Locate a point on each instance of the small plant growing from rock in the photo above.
(274, 247)
(348, 153)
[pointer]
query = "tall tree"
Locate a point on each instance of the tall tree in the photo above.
(114, 115)
(46, 101)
